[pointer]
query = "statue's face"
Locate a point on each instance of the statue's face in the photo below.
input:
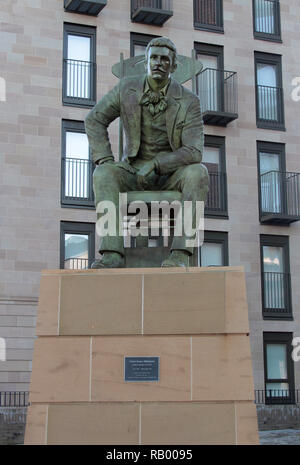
(160, 63)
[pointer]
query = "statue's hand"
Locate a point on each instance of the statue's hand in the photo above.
(143, 172)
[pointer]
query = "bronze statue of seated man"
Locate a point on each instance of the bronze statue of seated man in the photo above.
(164, 142)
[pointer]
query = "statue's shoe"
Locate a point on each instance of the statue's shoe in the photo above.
(177, 258)
(109, 260)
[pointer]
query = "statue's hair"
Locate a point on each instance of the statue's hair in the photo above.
(163, 42)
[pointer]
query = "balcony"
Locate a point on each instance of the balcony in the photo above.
(216, 202)
(154, 12)
(217, 90)
(279, 197)
(208, 15)
(85, 7)
(276, 290)
(269, 107)
(77, 182)
(75, 263)
(79, 83)
(277, 396)
(14, 398)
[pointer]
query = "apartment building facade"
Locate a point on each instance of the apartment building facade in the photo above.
(56, 63)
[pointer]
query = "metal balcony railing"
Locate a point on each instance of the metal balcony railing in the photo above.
(266, 18)
(277, 396)
(270, 105)
(208, 14)
(280, 197)
(216, 201)
(77, 181)
(14, 399)
(86, 7)
(77, 263)
(155, 12)
(217, 90)
(154, 4)
(79, 81)
(276, 293)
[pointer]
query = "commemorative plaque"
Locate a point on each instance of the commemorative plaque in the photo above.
(138, 369)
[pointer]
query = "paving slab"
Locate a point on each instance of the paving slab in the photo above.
(280, 437)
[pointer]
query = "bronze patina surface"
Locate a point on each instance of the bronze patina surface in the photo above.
(163, 129)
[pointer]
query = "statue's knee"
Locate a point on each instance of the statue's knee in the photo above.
(197, 173)
(103, 172)
(204, 176)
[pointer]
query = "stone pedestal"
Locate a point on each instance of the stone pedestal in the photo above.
(194, 320)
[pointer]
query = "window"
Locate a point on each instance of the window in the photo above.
(276, 287)
(269, 92)
(279, 368)
(212, 59)
(217, 88)
(279, 190)
(77, 167)
(79, 66)
(77, 245)
(266, 20)
(208, 15)
(271, 163)
(214, 159)
(138, 43)
(214, 250)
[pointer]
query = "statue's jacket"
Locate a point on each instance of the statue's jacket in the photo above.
(183, 120)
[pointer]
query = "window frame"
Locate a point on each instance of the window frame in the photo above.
(277, 241)
(203, 48)
(269, 147)
(277, 21)
(210, 27)
(85, 31)
(276, 60)
(137, 38)
(280, 338)
(71, 227)
(218, 52)
(75, 126)
(216, 237)
(218, 142)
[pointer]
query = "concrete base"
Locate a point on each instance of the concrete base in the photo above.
(194, 320)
